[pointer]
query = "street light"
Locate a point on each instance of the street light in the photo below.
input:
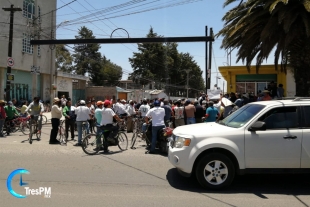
(61, 23)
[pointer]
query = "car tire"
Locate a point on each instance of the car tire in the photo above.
(215, 171)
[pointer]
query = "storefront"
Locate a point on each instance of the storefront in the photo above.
(241, 81)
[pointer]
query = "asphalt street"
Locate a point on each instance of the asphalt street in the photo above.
(128, 178)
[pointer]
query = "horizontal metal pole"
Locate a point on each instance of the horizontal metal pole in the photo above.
(122, 40)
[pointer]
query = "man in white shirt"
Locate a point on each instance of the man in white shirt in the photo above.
(157, 114)
(143, 109)
(107, 123)
(82, 115)
(131, 111)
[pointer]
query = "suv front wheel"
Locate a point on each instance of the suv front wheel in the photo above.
(215, 171)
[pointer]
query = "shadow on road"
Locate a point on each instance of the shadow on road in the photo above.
(254, 184)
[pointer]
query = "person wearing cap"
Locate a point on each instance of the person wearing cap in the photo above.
(98, 117)
(266, 96)
(106, 123)
(83, 113)
(2, 117)
(131, 112)
(70, 117)
(157, 114)
(190, 112)
(211, 113)
(11, 112)
(56, 113)
(36, 108)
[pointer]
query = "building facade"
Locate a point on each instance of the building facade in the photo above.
(35, 15)
(241, 81)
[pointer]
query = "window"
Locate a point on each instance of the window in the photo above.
(281, 118)
(27, 47)
(306, 113)
(29, 10)
(240, 117)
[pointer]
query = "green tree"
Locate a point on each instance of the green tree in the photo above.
(148, 61)
(64, 59)
(107, 73)
(256, 27)
(162, 63)
(86, 56)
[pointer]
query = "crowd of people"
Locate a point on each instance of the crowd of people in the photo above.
(162, 113)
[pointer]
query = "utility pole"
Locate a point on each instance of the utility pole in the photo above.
(52, 47)
(210, 58)
(8, 83)
(187, 79)
(207, 71)
(34, 92)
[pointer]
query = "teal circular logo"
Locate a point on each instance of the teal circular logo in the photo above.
(19, 171)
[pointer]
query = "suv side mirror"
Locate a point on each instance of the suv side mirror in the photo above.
(258, 126)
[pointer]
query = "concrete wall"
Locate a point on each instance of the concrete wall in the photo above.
(100, 93)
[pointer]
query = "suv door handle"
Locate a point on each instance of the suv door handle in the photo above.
(289, 137)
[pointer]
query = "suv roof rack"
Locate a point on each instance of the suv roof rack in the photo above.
(301, 98)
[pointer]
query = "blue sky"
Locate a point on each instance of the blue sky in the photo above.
(182, 20)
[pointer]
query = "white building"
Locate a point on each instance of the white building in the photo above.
(25, 84)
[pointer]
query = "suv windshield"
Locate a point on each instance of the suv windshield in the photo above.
(242, 115)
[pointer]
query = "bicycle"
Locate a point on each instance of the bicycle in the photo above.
(61, 137)
(122, 124)
(90, 146)
(44, 119)
(137, 134)
(34, 128)
(24, 125)
(11, 126)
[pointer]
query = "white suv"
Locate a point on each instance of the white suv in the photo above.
(260, 137)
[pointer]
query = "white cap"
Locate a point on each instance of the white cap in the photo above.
(82, 102)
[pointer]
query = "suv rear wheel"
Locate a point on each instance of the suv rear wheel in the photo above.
(215, 171)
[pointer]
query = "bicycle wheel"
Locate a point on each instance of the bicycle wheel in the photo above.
(89, 145)
(60, 135)
(32, 124)
(44, 119)
(133, 140)
(24, 128)
(38, 134)
(122, 141)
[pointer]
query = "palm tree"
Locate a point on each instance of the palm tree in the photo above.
(256, 27)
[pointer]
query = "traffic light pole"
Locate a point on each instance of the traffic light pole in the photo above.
(8, 82)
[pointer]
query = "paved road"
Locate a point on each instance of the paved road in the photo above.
(129, 178)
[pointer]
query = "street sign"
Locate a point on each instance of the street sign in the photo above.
(10, 77)
(10, 62)
(35, 70)
(75, 81)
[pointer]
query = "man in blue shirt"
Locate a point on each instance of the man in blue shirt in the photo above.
(98, 116)
(211, 113)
